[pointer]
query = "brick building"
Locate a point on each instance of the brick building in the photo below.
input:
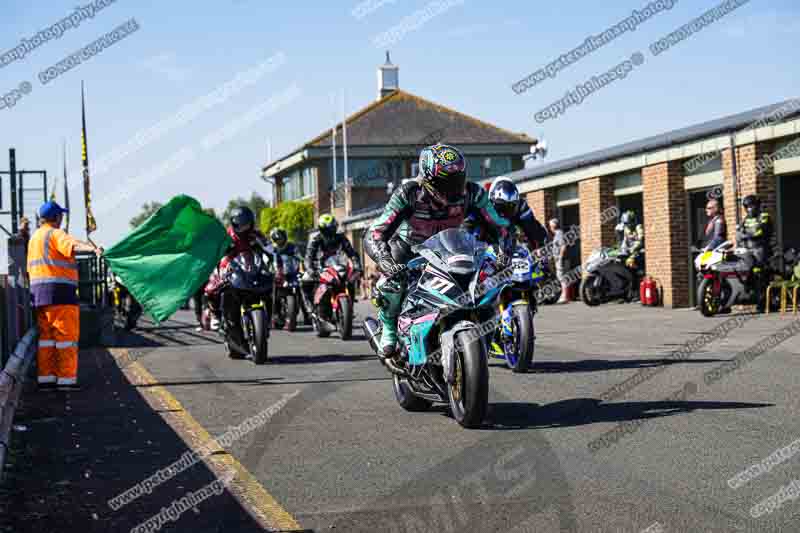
(667, 180)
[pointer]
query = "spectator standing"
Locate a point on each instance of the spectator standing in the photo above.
(559, 249)
(716, 230)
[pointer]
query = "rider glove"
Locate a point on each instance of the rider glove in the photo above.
(503, 261)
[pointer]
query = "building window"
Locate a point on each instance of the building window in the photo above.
(298, 184)
(371, 172)
(785, 150)
(703, 164)
(482, 167)
(309, 181)
(567, 195)
(630, 183)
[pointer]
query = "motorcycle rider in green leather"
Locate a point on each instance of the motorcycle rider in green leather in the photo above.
(438, 199)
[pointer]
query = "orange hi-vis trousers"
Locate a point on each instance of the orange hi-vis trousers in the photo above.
(59, 330)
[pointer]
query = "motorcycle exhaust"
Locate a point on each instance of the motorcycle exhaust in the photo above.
(394, 369)
(372, 330)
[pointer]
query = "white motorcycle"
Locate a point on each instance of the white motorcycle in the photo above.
(727, 278)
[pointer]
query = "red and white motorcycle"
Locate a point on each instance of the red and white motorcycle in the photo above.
(333, 299)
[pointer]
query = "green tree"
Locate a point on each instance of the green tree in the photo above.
(210, 211)
(256, 202)
(268, 220)
(147, 211)
(297, 218)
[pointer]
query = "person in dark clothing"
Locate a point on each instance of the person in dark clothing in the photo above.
(325, 244)
(438, 199)
(280, 248)
(245, 238)
(755, 231)
(716, 229)
(508, 203)
(755, 234)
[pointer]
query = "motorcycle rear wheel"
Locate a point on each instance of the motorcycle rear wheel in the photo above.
(555, 294)
(469, 396)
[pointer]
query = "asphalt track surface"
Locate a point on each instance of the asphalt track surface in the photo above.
(341, 455)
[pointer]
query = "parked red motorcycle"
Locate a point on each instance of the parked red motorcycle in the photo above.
(333, 299)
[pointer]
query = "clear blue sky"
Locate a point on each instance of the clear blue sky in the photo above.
(466, 58)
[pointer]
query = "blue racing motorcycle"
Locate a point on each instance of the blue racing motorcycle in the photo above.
(513, 339)
(453, 288)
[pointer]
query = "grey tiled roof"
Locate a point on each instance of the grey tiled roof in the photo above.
(732, 123)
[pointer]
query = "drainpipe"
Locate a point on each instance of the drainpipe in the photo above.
(734, 169)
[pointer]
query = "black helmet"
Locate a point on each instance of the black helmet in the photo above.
(752, 203)
(327, 226)
(504, 196)
(443, 170)
(242, 219)
(751, 200)
(278, 237)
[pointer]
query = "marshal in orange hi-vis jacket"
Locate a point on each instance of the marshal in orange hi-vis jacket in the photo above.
(53, 276)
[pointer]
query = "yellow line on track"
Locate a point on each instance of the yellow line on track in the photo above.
(245, 487)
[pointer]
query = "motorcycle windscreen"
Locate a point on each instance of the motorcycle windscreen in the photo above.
(457, 248)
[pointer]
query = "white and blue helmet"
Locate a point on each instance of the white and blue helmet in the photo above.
(504, 196)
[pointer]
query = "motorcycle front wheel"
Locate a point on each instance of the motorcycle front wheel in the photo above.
(522, 324)
(709, 304)
(291, 312)
(256, 331)
(345, 317)
(469, 396)
(589, 294)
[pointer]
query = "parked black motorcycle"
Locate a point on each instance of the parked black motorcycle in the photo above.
(246, 301)
(606, 278)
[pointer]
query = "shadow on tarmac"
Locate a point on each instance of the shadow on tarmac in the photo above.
(599, 365)
(582, 411)
(259, 381)
(83, 448)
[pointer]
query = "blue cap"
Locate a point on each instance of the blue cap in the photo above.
(51, 210)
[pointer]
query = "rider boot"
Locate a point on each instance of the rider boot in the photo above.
(389, 311)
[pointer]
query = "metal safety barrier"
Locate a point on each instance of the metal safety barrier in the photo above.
(12, 379)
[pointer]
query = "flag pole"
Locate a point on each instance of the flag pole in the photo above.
(333, 143)
(66, 188)
(91, 225)
(344, 141)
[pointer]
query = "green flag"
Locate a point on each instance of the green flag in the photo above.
(167, 259)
